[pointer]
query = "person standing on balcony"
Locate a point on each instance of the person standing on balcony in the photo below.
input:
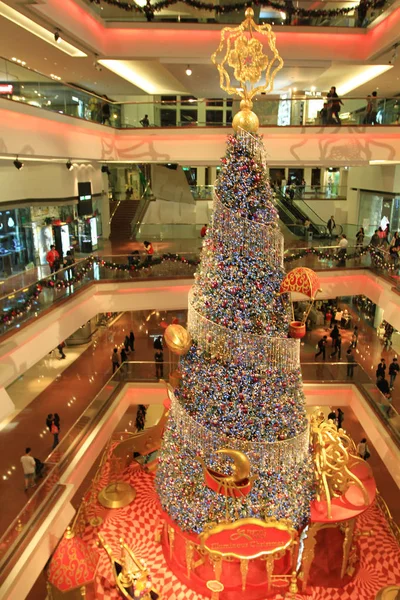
(55, 431)
(158, 345)
(124, 356)
(145, 121)
(334, 103)
(374, 109)
(393, 370)
(115, 360)
(343, 243)
(53, 259)
(105, 112)
(350, 362)
(132, 341)
(149, 252)
(323, 113)
(159, 364)
(49, 421)
(29, 468)
(360, 238)
(331, 225)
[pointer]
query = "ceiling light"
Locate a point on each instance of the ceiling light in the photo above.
(364, 74)
(188, 71)
(48, 36)
(57, 37)
(18, 164)
(313, 88)
(69, 165)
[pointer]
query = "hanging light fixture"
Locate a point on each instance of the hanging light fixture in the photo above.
(188, 71)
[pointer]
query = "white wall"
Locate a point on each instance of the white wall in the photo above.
(48, 180)
(29, 131)
(381, 178)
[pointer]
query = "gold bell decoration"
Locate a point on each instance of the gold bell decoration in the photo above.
(240, 50)
(177, 339)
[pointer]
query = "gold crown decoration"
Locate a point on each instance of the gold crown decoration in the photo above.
(240, 50)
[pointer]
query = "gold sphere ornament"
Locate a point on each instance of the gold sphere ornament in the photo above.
(177, 339)
(245, 119)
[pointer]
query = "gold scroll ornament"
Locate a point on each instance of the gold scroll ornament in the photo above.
(254, 71)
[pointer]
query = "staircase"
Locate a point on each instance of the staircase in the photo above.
(122, 219)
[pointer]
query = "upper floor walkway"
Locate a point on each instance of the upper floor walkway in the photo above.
(35, 134)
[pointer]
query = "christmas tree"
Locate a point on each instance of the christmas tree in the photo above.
(241, 385)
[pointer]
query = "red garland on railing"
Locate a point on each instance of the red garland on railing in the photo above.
(7, 317)
(150, 8)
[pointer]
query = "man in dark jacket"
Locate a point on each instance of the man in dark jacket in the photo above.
(321, 347)
(393, 370)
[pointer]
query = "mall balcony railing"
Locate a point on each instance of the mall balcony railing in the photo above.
(22, 306)
(33, 88)
(344, 14)
(22, 529)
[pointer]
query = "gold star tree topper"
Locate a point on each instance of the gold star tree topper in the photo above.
(253, 70)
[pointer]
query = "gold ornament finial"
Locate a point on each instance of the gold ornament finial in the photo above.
(240, 50)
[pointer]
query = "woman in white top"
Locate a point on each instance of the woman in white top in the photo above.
(29, 468)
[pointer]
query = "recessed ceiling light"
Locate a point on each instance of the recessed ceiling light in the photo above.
(188, 71)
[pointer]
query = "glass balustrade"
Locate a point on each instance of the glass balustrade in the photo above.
(27, 304)
(285, 109)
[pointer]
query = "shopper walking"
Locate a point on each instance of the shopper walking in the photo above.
(140, 417)
(124, 356)
(115, 360)
(60, 349)
(335, 334)
(132, 341)
(55, 431)
(393, 370)
(57, 421)
(53, 259)
(337, 347)
(331, 225)
(322, 347)
(127, 343)
(29, 468)
(159, 364)
(363, 450)
(49, 421)
(334, 103)
(340, 418)
(381, 369)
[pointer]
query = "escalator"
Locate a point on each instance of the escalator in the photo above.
(294, 216)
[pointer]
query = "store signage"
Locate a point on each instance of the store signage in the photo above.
(248, 538)
(6, 88)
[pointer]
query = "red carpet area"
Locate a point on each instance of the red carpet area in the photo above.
(379, 565)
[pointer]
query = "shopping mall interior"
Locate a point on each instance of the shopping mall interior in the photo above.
(200, 299)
